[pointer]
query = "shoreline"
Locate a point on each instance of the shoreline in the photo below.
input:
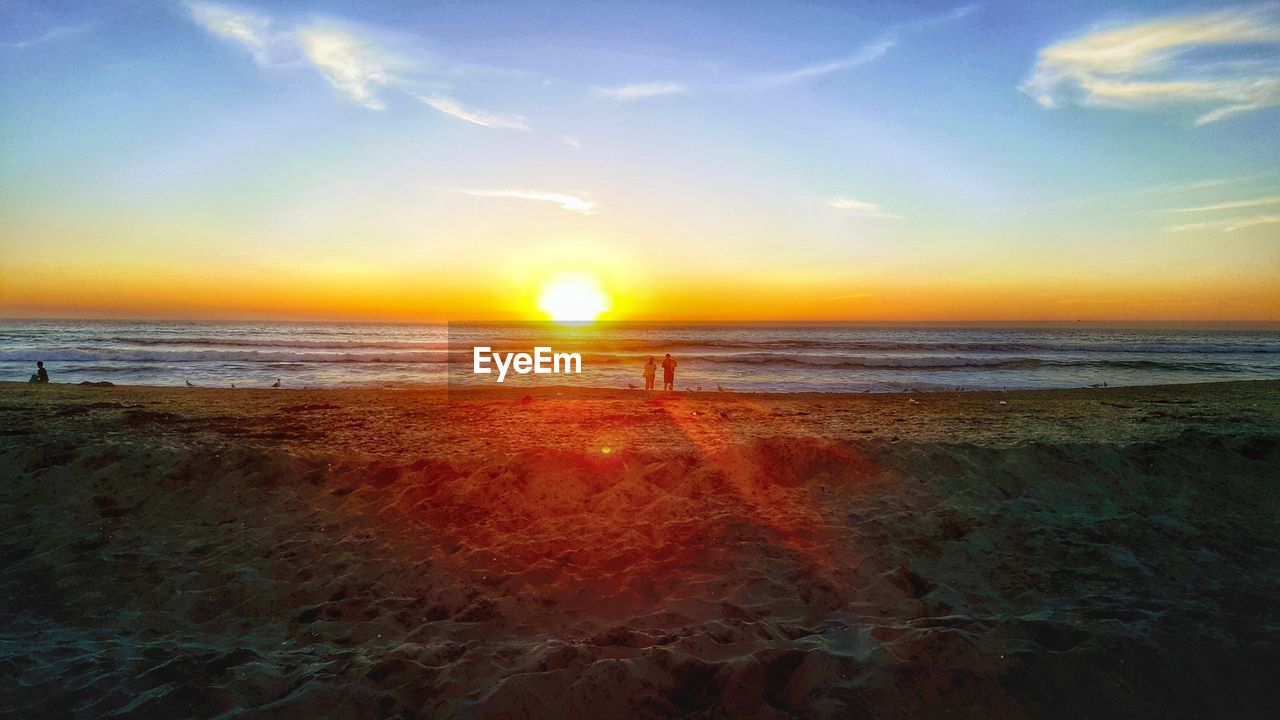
(808, 359)
(592, 391)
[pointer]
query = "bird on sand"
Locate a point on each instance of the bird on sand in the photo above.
(189, 384)
(233, 386)
(720, 388)
(277, 383)
(631, 386)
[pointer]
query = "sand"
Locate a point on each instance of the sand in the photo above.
(399, 553)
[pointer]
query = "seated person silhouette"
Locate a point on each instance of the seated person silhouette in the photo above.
(42, 375)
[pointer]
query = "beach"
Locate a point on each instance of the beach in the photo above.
(569, 552)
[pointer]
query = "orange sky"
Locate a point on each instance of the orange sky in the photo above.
(405, 297)
(211, 160)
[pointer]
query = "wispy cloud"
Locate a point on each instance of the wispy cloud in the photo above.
(1164, 62)
(449, 106)
(1164, 192)
(354, 67)
(1231, 205)
(255, 32)
(352, 59)
(640, 91)
(1150, 302)
(51, 35)
(566, 202)
(860, 207)
(1256, 220)
(863, 55)
(1228, 225)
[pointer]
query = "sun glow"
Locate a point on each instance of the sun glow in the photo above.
(573, 298)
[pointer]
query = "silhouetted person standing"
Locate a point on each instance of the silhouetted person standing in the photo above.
(668, 373)
(42, 375)
(650, 371)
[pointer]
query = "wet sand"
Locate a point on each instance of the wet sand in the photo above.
(175, 552)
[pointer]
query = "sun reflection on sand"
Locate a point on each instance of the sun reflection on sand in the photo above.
(617, 529)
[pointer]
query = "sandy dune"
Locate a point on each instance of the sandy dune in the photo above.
(362, 553)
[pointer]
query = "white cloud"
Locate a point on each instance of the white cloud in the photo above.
(449, 106)
(1166, 62)
(52, 35)
(1165, 192)
(866, 54)
(640, 91)
(1256, 220)
(352, 66)
(1229, 225)
(267, 44)
(863, 56)
(860, 207)
(566, 202)
(352, 59)
(1231, 205)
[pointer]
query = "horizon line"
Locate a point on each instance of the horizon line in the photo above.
(1268, 323)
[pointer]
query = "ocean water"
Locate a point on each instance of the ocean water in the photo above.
(737, 357)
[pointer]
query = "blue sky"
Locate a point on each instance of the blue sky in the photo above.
(1081, 157)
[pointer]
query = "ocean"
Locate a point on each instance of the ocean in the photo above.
(741, 357)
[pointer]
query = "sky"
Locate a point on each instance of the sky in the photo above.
(1011, 161)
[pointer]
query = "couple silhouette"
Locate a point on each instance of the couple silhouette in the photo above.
(668, 373)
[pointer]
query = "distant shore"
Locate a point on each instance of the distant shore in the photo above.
(364, 552)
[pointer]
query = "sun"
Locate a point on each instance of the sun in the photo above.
(573, 297)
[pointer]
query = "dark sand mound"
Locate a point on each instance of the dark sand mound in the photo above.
(785, 576)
